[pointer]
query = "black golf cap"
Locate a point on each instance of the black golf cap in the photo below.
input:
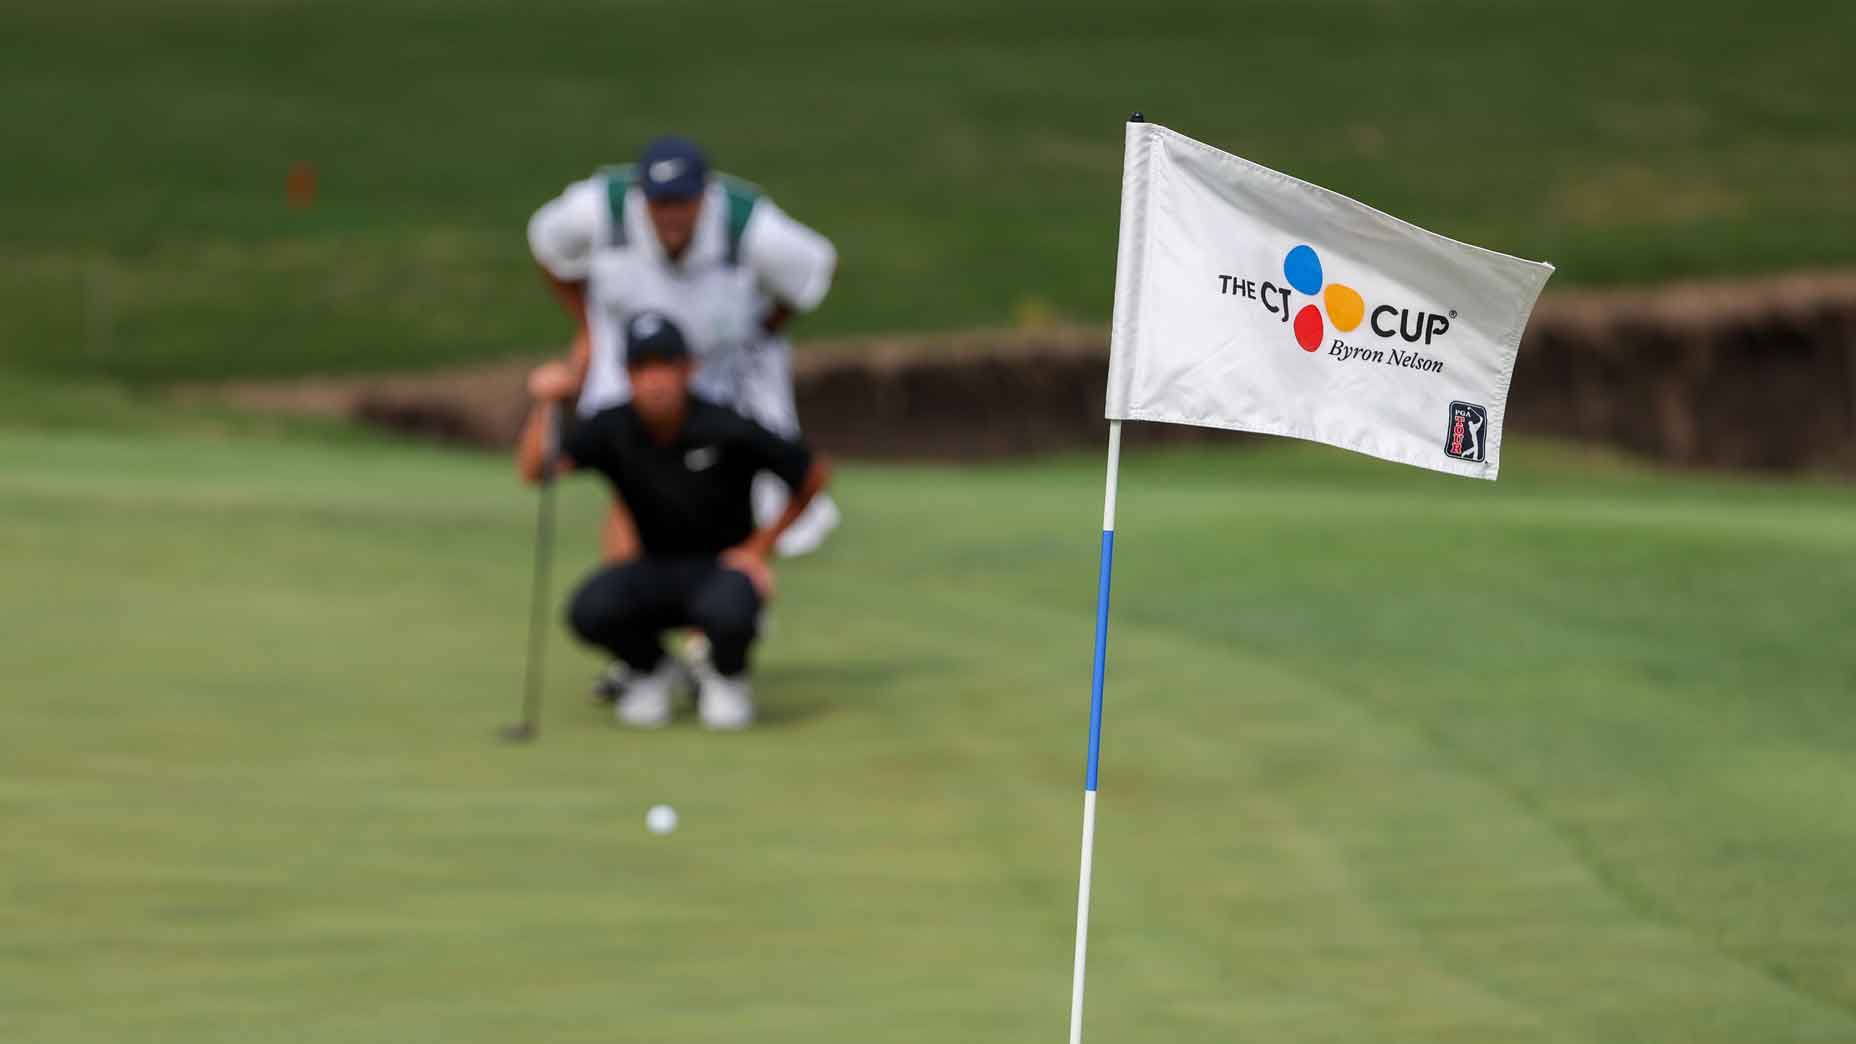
(673, 167)
(651, 337)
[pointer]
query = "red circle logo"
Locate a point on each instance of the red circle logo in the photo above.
(1308, 328)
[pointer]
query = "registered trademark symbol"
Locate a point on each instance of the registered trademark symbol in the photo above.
(1453, 313)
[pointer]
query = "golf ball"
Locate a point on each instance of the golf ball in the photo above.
(662, 819)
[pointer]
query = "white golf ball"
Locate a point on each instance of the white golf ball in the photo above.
(662, 819)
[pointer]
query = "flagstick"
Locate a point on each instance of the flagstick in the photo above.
(1095, 731)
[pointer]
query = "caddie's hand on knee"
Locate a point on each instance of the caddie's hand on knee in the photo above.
(750, 561)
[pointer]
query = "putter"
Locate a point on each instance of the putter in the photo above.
(530, 726)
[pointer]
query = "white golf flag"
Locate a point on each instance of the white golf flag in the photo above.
(1249, 300)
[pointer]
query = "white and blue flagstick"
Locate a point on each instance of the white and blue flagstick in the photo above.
(1092, 769)
(1095, 730)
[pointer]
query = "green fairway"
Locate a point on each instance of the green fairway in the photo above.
(1389, 757)
(965, 156)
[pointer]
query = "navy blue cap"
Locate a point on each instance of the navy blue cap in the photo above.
(652, 337)
(673, 168)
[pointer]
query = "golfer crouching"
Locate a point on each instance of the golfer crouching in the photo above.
(683, 468)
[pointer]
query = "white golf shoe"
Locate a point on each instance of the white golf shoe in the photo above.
(725, 704)
(645, 703)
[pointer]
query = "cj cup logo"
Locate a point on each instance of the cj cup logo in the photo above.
(1302, 268)
(1337, 305)
(1346, 309)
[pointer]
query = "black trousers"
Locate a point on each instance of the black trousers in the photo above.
(626, 608)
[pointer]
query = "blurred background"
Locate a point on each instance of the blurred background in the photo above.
(1390, 757)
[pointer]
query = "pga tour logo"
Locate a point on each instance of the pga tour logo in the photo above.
(1466, 437)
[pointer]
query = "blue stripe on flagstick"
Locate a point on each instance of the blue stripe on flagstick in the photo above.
(1101, 658)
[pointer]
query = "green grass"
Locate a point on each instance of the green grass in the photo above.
(1389, 757)
(965, 156)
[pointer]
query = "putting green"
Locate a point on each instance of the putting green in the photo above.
(1389, 757)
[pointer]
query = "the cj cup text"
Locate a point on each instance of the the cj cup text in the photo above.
(1344, 307)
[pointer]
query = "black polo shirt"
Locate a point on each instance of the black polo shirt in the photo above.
(693, 495)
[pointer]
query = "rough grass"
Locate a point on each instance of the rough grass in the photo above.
(965, 156)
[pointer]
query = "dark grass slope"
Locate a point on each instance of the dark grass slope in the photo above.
(964, 156)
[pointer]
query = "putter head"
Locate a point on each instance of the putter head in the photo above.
(520, 732)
